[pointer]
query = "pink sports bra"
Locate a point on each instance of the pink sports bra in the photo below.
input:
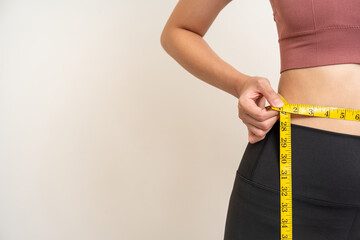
(317, 32)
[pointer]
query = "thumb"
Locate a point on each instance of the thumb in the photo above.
(271, 96)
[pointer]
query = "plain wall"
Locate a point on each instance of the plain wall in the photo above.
(104, 136)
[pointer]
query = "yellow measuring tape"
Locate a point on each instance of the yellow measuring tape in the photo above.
(286, 206)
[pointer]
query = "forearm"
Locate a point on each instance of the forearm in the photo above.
(193, 53)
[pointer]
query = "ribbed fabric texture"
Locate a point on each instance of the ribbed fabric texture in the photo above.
(317, 32)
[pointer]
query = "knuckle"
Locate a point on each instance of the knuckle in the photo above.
(263, 134)
(265, 125)
(243, 107)
(260, 133)
(241, 102)
(240, 106)
(262, 81)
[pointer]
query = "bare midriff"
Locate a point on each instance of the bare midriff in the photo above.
(332, 85)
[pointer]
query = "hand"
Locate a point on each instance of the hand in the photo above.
(252, 109)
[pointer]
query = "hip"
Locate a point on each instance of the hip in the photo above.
(325, 165)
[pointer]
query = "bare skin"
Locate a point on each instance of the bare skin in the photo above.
(332, 85)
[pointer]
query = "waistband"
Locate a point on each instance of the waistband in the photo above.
(325, 164)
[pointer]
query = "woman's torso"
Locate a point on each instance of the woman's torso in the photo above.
(332, 85)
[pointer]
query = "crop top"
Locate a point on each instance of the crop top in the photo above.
(317, 32)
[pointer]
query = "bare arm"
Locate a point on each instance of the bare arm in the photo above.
(182, 39)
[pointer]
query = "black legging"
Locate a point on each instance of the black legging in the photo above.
(325, 186)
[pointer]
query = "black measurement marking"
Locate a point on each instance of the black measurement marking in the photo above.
(283, 126)
(283, 158)
(284, 222)
(327, 113)
(284, 207)
(283, 142)
(284, 191)
(342, 115)
(284, 236)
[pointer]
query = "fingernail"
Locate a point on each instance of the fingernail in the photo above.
(278, 103)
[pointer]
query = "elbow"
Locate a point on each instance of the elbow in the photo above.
(167, 37)
(164, 42)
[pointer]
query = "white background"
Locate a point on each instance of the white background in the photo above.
(104, 136)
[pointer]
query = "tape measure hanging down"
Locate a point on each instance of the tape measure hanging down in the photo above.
(286, 207)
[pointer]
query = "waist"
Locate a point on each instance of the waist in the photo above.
(332, 86)
(325, 166)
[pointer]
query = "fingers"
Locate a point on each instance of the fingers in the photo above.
(271, 96)
(263, 125)
(251, 106)
(249, 111)
(252, 138)
(248, 107)
(256, 134)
